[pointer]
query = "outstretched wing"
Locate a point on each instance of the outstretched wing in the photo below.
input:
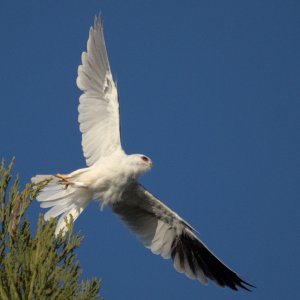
(99, 106)
(167, 234)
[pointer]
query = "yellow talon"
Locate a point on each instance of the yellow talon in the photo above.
(63, 180)
(61, 177)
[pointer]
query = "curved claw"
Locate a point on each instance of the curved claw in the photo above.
(63, 180)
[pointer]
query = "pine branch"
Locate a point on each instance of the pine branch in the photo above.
(40, 266)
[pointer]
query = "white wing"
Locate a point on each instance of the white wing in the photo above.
(99, 106)
(167, 234)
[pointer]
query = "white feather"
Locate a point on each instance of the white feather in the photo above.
(99, 106)
(168, 240)
(177, 264)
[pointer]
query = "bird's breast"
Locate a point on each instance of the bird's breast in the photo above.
(109, 183)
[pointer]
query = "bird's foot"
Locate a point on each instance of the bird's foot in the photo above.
(63, 180)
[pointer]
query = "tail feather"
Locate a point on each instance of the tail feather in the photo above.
(61, 201)
(61, 225)
(57, 210)
(55, 195)
(38, 178)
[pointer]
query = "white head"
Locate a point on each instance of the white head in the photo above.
(140, 164)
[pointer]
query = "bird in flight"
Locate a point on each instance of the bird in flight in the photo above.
(111, 176)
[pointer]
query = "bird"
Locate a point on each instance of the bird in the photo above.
(111, 176)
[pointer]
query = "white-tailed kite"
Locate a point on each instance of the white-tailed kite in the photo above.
(111, 176)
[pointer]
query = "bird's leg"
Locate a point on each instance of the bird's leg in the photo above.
(63, 180)
(62, 177)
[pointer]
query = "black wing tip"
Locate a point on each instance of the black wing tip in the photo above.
(238, 284)
(245, 285)
(235, 285)
(199, 256)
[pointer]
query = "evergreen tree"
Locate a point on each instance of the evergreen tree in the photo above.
(36, 266)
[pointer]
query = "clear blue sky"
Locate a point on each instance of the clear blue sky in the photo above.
(210, 90)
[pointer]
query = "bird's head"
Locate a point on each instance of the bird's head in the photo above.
(140, 163)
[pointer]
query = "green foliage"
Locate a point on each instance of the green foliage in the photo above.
(40, 266)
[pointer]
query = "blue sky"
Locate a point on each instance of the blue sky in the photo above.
(209, 90)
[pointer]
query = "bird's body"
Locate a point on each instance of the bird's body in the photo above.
(111, 176)
(105, 181)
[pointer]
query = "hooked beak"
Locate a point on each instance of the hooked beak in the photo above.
(150, 163)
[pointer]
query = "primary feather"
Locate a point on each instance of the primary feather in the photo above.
(165, 233)
(99, 105)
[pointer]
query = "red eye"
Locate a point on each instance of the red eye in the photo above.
(145, 158)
